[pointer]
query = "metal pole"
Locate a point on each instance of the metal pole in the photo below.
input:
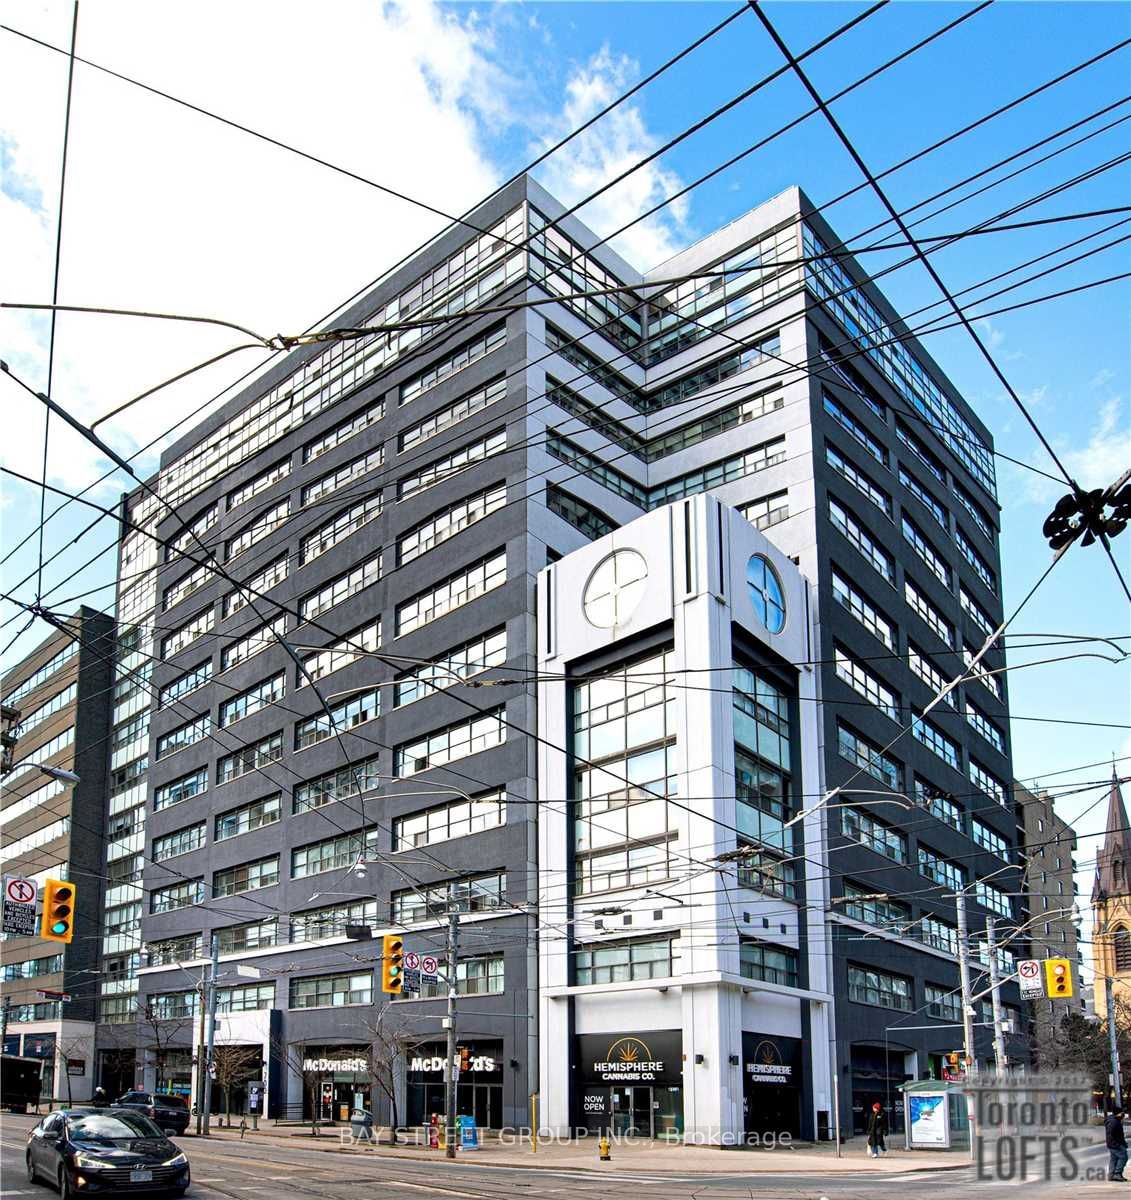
(4, 1017)
(995, 998)
(836, 1096)
(450, 1068)
(211, 1034)
(967, 1007)
(202, 989)
(1113, 1041)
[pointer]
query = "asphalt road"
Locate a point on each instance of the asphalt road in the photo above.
(229, 1170)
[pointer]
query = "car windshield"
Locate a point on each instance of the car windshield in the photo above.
(113, 1127)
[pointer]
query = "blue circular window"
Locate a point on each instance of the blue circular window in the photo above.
(766, 593)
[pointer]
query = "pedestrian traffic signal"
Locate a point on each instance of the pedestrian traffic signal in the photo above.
(58, 923)
(1058, 978)
(464, 1058)
(392, 964)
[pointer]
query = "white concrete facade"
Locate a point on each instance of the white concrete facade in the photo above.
(695, 597)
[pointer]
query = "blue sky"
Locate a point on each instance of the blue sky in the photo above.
(488, 87)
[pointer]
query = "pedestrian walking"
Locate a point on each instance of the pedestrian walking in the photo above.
(99, 1099)
(1116, 1143)
(877, 1127)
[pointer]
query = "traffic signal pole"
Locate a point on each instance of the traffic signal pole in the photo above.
(995, 998)
(1113, 1042)
(450, 1023)
(206, 1106)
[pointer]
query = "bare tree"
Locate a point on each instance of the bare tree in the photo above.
(232, 1065)
(65, 1049)
(388, 1045)
(117, 1059)
(158, 1034)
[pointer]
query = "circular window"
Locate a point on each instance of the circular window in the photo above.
(615, 589)
(766, 593)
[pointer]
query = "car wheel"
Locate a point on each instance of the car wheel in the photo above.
(65, 1190)
(32, 1173)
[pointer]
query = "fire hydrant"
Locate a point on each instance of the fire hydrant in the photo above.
(603, 1148)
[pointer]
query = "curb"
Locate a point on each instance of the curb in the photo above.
(358, 1152)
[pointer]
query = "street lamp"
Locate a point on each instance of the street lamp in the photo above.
(59, 773)
(899, 799)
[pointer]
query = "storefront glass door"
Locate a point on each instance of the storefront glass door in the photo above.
(632, 1111)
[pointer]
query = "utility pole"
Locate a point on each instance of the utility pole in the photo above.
(4, 1016)
(1113, 1040)
(214, 971)
(995, 998)
(201, 1067)
(964, 981)
(450, 1023)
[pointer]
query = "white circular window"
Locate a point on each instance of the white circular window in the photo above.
(766, 593)
(615, 589)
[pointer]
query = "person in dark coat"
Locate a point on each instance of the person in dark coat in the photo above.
(1116, 1143)
(99, 1100)
(877, 1127)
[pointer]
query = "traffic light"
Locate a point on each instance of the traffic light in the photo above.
(953, 1059)
(392, 964)
(464, 1058)
(58, 911)
(1058, 978)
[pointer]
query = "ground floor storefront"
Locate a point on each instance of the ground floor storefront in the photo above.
(772, 1071)
(478, 1087)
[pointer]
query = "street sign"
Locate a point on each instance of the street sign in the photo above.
(411, 960)
(429, 966)
(19, 905)
(411, 979)
(1029, 977)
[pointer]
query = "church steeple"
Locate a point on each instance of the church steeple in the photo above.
(1113, 863)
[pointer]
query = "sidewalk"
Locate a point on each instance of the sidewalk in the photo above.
(629, 1155)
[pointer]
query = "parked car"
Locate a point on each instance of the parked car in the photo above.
(170, 1112)
(104, 1150)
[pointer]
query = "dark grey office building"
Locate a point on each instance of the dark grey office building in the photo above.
(395, 494)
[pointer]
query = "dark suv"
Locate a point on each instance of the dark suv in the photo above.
(170, 1113)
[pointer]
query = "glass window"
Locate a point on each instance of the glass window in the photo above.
(993, 898)
(445, 524)
(860, 826)
(930, 615)
(472, 893)
(855, 429)
(727, 470)
(981, 568)
(854, 476)
(40, 676)
(457, 819)
(857, 536)
(250, 758)
(188, 633)
(275, 572)
(771, 964)
(350, 427)
(926, 670)
(869, 757)
(180, 789)
(993, 787)
(444, 368)
(171, 1006)
(974, 510)
(870, 686)
(975, 611)
(331, 920)
(171, 952)
(935, 563)
(459, 740)
(349, 584)
(989, 839)
(919, 448)
(185, 684)
(247, 817)
(262, 527)
(865, 904)
(619, 962)
(452, 414)
(934, 739)
(766, 593)
(181, 841)
(341, 653)
(246, 877)
(176, 895)
(247, 997)
(767, 510)
(347, 473)
(452, 464)
(331, 854)
(924, 497)
(341, 526)
(851, 598)
(474, 977)
(343, 715)
(586, 519)
(258, 696)
(979, 721)
(939, 934)
(251, 644)
(332, 991)
(339, 784)
(940, 804)
(184, 735)
(453, 666)
(592, 467)
(943, 1003)
(941, 870)
(866, 985)
(252, 935)
(452, 593)
(260, 483)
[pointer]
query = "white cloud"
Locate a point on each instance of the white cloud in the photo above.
(169, 211)
(1107, 451)
(612, 146)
